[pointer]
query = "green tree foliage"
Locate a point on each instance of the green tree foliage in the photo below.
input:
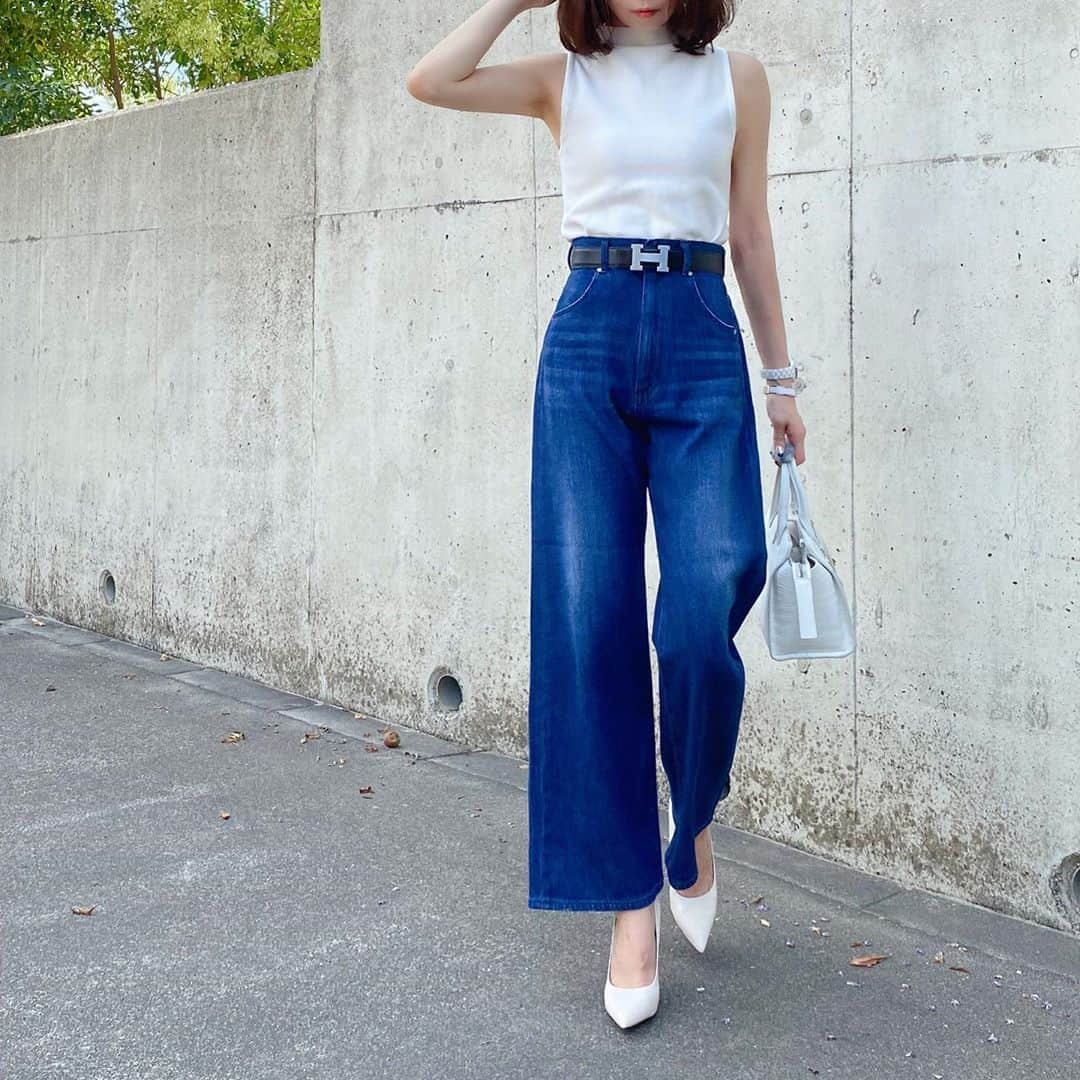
(60, 58)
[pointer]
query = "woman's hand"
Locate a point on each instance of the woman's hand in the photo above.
(787, 426)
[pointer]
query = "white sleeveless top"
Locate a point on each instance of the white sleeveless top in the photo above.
(646, 140)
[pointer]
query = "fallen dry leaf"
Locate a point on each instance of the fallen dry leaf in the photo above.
(224, 815)
(312, 734)
(956, 967)
(866, 961)
(757, 899)
(83, 910)
(233, 736)
(391, 738)
(367, 789)
(940, 958)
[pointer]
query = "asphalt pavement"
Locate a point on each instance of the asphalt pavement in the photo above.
(269, 890)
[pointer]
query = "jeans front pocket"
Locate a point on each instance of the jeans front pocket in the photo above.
(577, 285)
(712, 295)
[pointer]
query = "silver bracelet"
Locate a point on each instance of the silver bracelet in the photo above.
(789, 372)
(787, 391)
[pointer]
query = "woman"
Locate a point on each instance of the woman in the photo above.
(642, 387)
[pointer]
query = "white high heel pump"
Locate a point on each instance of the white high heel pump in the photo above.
(694, 915)
(629, 1005)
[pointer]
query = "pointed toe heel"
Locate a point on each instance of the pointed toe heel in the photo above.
(694, 915)
(629, 1005)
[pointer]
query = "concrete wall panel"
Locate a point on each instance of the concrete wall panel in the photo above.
(965, 392)
(232, 535)
(20, 274)
(20, 171)
(424, 375)
(381, 148)
(241, 153)
(936, 80)
(93, 431)
(806, 52)
(102, 175)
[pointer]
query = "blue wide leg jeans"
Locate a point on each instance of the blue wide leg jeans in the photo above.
(642, 389)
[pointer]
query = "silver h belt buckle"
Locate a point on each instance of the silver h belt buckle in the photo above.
(659, 257)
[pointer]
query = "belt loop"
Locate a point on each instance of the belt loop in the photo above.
(685, 257)
(569, 252)
(604, 253)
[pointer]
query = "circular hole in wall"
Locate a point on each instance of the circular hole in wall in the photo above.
(107, 584)
(1065, 885)
(448, 693)
(445, 690)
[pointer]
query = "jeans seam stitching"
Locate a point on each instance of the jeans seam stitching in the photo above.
(709, 310)
(585, 292)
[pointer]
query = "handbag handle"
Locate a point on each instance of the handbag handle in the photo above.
(781, 501)
(780, 508)
(789, 487)
(802, 503)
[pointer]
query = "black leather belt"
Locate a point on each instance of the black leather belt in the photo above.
(660, 256)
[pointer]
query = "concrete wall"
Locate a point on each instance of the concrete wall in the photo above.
(306, 460)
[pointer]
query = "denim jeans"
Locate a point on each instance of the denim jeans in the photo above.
(641, 387)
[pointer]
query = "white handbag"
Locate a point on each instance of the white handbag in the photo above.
(805, 613)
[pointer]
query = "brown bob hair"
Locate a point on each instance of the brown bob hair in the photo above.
(693, 23)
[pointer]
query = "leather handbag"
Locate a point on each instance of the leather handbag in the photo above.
(805, 614)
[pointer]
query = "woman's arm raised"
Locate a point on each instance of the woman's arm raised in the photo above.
(448, 75)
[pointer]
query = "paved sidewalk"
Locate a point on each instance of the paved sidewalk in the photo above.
(320, 931)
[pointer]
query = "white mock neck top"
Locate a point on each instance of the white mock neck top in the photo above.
(646, 139)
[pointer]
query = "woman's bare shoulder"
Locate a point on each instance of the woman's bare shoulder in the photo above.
(748, 73)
